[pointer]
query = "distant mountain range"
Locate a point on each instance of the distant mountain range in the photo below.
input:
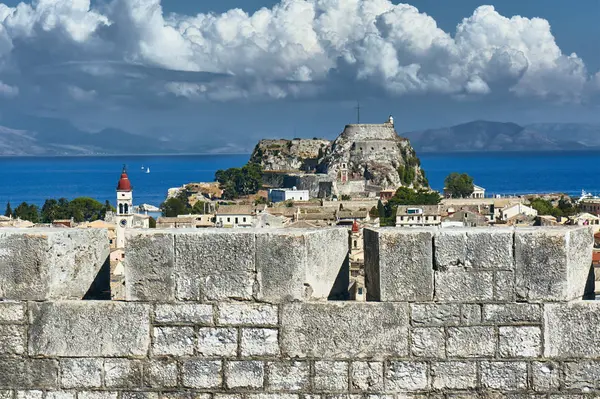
(48, 137)
(484, 136)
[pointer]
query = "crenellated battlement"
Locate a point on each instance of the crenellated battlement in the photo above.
(255, 314)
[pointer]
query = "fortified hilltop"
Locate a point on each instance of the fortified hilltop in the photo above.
(363, 159)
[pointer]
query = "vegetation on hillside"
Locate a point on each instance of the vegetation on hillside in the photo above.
(237, 182)
(82, 209)
(544, 207)
(459, 185)
(180, 205)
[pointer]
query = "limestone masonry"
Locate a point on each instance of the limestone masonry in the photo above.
(251, 314)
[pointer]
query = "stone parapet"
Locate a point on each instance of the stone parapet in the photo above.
(50, 263)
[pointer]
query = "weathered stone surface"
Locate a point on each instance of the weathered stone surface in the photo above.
(582, 376)
(545, 376)
(517, 342)
(174, 341)
(512, 313)
(28, 373)
(149, 265)
(505, 376)
(160, 373)
(203, 374)
(12, 339)
(217, 342)
(464, 285)
(428, 342)
(450, 249)
(260, 342)
(50, 264)
(185, 313)
(406, 376)
(81, 373)
(296, 265)
(33, 394)
(122, 373)
(471, 342)
(454, 375)
(569, 331)
(470, 313)
(97, 395)
(490, 248)
(366, 376)
(552, 264)
(65, 329)
(244, 374)
(57, 395)
(240, 314)
(434, 314)
(12, 312)
(331, 376)
(399, 264)
(288, 376)
(333, 330)
(213, 264)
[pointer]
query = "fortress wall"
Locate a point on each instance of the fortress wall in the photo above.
(542, 341)
(364, 132)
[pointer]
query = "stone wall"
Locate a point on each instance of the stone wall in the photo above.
(245, 315)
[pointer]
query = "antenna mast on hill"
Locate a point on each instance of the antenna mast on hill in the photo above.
(358, 112)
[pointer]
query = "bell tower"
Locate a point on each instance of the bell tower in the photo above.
(124, 207)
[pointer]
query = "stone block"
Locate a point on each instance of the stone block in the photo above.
(174, 341)
(545, 376)
(403, 376)
(64, 329)
(454, 375)
(450, 249)
(140, 395)
(97, 395)
(466, 342)
(57, 395)
(247, 314)
(6, 394)
(273, 396)
(28, 373)
(366, 376)
(464, 285)
(12, 340)
(50, 264)
(33, 394)
(470, 313)
(217, 342)
(122, 373)
(81, 373)
(12, 312)
(512, 313)
(504, 286)
(505, 376)
(434, 314)
(185, 313)
(244, 374)
(336, 330)
(553, 264)
(582, 375)
(260, 342)
(570, 330)
(520, 342)
(160, 373)
(288, 376)
(331, 376)
(301, 265)
(428, 342)
(149, 265)
(202, 374)
(482, 248)
(399, 264)
(213, 264)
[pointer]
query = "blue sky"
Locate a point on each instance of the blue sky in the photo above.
(201, 71)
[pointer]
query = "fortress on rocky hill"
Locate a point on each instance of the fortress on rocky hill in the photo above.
(263, 314)
(363, 160)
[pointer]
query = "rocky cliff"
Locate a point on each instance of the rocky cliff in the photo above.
(375, 154)
(289, 155)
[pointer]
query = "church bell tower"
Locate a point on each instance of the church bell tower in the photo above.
(124, 216)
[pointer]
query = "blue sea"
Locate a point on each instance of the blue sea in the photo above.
(33, 179)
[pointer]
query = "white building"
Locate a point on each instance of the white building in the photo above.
(478, 192)
(286, 194)
(125, 218)
(517, 209)
(233, 216)
(418, 216)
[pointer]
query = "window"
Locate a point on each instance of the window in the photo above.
(121, 208)
(126, 208)
(355, 244)
(360, 290)
(228, 220)
(236, 221)
(244, 220)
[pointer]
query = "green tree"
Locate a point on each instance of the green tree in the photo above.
(152, 222)
(237, 182)
(346, 197)
(27, 212)
(459, 185)
(50, 211)
(86, 209)
(8, 212)
(199, 208)
(545, 207)
(176, 206)
(408, 196)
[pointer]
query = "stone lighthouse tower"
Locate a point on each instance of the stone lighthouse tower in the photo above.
(124, 217)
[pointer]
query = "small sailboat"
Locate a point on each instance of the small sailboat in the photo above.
(143, 167)
(148, 170)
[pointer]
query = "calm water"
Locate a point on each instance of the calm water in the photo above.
(35, 179)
